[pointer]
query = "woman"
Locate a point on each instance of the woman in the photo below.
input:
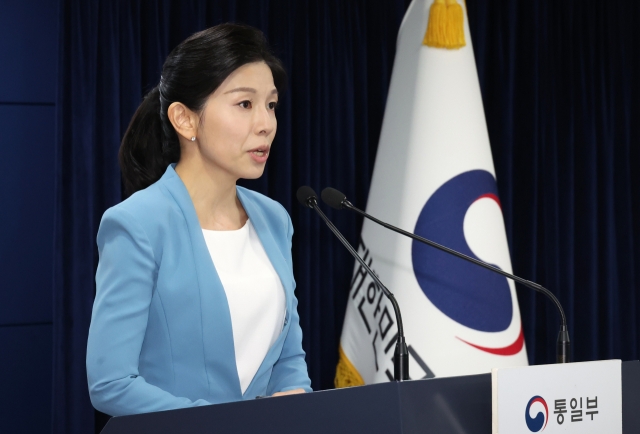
(194, 301)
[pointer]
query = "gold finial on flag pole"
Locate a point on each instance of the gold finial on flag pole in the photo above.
(445, 28)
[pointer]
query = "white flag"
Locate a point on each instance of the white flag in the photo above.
(433, 176)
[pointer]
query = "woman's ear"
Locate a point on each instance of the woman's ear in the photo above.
(184, 121)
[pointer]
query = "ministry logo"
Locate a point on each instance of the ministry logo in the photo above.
(538, 423)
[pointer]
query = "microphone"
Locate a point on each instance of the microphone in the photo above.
(338, 200)
(307, 197)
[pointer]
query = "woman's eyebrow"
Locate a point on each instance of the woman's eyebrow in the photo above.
(248, 89)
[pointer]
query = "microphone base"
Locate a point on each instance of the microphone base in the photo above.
(401, 360)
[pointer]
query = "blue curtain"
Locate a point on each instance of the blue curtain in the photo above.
(561, 106)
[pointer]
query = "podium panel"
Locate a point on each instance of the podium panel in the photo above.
(571, 398)
(436, 405)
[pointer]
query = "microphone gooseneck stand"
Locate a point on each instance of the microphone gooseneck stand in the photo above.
(307, 197)
(338, 200)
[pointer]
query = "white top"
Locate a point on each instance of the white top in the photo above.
(254, 292)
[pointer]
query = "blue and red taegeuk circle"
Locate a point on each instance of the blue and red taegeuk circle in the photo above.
(468, 294)
(538, 423)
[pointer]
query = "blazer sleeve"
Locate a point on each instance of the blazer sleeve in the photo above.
(290, 371)
(124, 286)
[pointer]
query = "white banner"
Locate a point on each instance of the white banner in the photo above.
(564, 398)
(433, 176)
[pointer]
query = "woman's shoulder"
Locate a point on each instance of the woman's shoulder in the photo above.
(145, 204)
(151, 203)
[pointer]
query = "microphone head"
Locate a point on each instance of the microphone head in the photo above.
(305, 195)
(333, 198)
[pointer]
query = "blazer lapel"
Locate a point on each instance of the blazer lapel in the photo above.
(264, 231)
(217, 331)
(265, 234)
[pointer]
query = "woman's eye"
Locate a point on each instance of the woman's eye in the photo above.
(245, 104)
(273, 105)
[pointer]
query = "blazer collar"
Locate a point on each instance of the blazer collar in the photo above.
(265, 233)
(218, 341)
(264, 230)
(217, 334)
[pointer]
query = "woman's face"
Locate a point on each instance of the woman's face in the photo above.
(238, 122)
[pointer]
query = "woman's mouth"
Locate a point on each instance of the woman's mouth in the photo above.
(260, 154)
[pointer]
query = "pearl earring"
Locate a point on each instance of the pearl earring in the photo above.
(193, 138)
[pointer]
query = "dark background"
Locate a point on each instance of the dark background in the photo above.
(562, 103)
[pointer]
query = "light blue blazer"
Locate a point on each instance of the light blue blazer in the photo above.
(160, 335)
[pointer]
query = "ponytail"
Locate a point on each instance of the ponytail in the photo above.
(145, 151)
